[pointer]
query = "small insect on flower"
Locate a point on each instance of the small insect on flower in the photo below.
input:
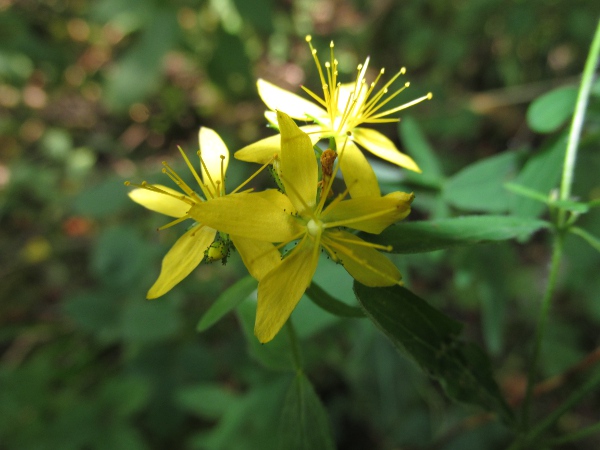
(328, 158)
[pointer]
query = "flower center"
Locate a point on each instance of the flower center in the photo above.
(314, 227)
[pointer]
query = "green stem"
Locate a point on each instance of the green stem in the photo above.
(541, 325)
(577, 122)
(571, 401)
(296, 358)
(575, 436)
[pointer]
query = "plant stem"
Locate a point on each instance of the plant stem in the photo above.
(575, 436)
(577, 122)
(561, 220)
(573, 399)
(296, 358)
(557, 250)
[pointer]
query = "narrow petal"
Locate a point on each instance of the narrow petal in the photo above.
(370, 214)
(364, 263)
(212, 148)
(298, 163)
(247, 215)
(259, 257)
(381, 146)
(281, 289)
(182, 258)
(260, 151)
(293, 105)
(279, 199)
(161, 203)
(358, 174)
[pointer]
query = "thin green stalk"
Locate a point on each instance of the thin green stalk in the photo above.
(557, 250)
(575, 436)
(571, 401)
(296, 358)
(577, 122)
(561, 221)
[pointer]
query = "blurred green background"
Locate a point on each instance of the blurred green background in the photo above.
(93, 93)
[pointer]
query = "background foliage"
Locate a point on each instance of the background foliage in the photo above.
(94, 93)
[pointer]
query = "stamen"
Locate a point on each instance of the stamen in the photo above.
(174, 222)
(314, 96)
(429, 96)
(152, 188)
(223, 174)
(179, 181)
(253, 175)
(203, 164)
(347, 222)
(387, 248)
(361, 261)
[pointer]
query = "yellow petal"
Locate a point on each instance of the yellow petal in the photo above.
(182, 258)
(247, 215)
(281, 289)
(299, 169)
(381, 146)
(212, 148)
(370, 214)
(293, 105)
(261, 151)
(161, 203)
(364, 263)
(358, 174)
(259, 257)
(280, 200)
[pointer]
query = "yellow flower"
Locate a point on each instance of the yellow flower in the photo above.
(339, 114)
(200, 242)
(301, 215)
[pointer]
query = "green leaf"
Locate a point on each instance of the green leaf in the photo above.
(417, 146)
(275, 354)
(430, 338)
(331, 304)
(480, 186)
(427, 236)
(540, 173)
(304, 423)
(226, 302)
(208, 400)
(550, 111)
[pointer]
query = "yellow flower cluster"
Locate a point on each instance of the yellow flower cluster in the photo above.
(260, 225)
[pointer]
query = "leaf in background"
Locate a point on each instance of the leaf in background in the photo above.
(120, 257)
(415, 144)
(550, 111)
(207, 400)
(540, 173)
(480, 186)
(226, 302)
(427, 236)
(229, 66)
(138, 72)
(275, 355)
(304, 423)
(332, 304)
(430, 338)
(149, 321)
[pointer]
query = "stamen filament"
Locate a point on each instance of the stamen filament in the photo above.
(314, 96)
(253, 176)
(173, 222)
(179, 181)
(346, 222)
(429, 96)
